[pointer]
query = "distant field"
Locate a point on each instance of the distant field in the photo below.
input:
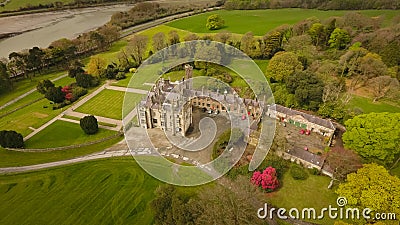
(62, 133)
(261, 21)
(368, 106)
(16, 4)
(108, 103)
(112, 191)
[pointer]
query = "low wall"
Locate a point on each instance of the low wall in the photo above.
(119, 134)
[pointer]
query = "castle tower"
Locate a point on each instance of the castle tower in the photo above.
(188, 76)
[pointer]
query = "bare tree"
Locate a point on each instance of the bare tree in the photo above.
(382, 85)
(137, 47)
(223, 36)
(159, 41)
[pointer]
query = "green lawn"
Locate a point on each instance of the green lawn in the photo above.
(300, 194)
(16, 4)
(34, 115)
(123, 82)
(111, 55)
(62, 133)
(110, 191)
(13, 158)
(261, 21)
(25, 85)
(368, 106)
(108, 103)
(35, 95)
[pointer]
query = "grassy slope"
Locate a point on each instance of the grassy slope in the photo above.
(11, 158)
(108, 103)
(35, 95)
(62, 133)
(23, 86)
(113, 191)
(16, 4)
(299, 194)
(368, 106)
(261, 21)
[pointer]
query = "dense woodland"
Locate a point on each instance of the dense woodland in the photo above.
(313, 4)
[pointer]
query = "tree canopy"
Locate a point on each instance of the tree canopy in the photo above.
(283, 64)
(372, 187)
(89, 124)
(215, 22)
(374, 136)
(11, 139)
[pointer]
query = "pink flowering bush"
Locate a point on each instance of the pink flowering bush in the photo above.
(267, 180)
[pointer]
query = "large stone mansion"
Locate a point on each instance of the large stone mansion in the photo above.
(169, 106)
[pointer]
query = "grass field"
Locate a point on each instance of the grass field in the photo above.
(34, 115)
(108, 103)
(62, 133)
(112, 191)
(300, 194)
(12, 158)
(368, 106)
(16, 4)
(261, 21)
(25, 85)
(78, 119)
(35, 95)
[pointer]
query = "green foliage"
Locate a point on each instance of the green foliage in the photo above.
(5, 82)
(55, 94)
(85, 80)
(171, 206)
(374, 136)
(307, 89)
(339, 39)
(78, 92)
(11, 139)
(298, 172)
(215, 22)
(44, 85)
(282, 65)
(221, 144)
(89, 124)
(372, 187)
(75, 68)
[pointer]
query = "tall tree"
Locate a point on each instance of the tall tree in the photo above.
(55, 94)
(89, 125)
(283, 64)
(374, 136)
(339, 39)
(137, 47)
(5, 82)
(343, 162)
(75, 67)
(96, 66)
(372, 187)
(159, 41)
(44, 85)
(247, 43)
(11, 139)
(382, 85)
(223, 36)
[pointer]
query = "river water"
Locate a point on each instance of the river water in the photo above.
(53, 26)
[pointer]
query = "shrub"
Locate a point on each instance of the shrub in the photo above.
(11, 139)
(267, 180)
(298, 172)
(84, 80)
(55, 94)
(215, 22)
(314, 171)
(120, 76)
(78, 92)
(89, 125)
(43, 86)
